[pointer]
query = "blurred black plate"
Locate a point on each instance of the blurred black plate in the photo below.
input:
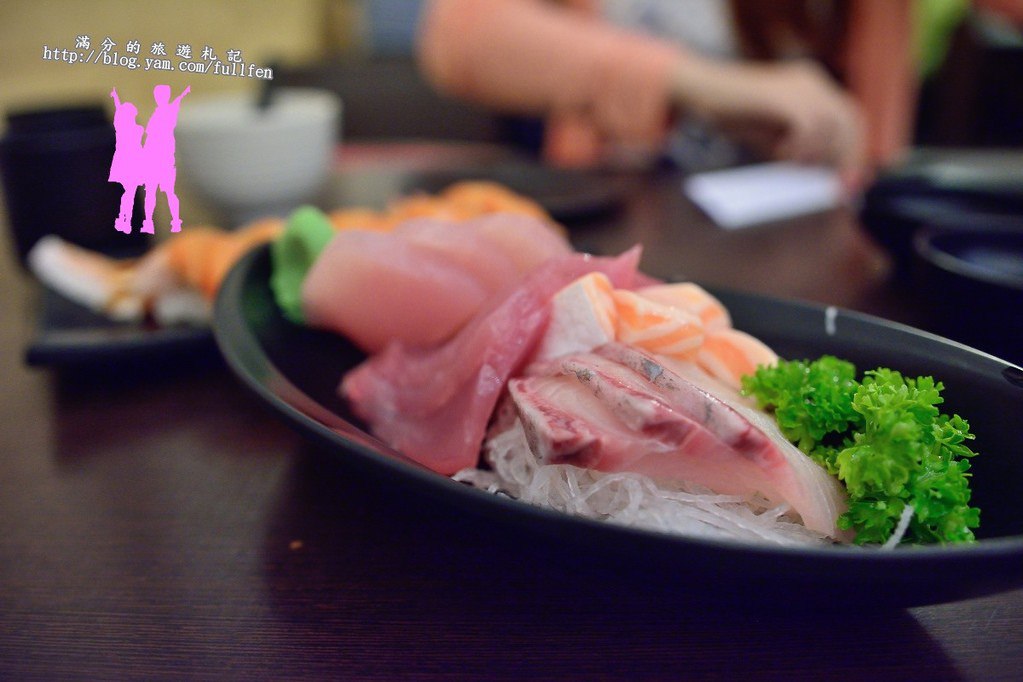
(297, 370)
(972, 282)
(568, 195)
(965, 190)
(976, 259)
(69, 335)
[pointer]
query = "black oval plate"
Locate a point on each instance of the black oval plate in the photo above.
(297, 370)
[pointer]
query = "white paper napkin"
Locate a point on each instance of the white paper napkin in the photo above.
(740, 197)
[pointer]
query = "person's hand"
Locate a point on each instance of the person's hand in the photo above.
(113, 93)
(788, 111)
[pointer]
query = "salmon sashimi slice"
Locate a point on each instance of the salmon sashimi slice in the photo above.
(692, 298)
(655, 327)
(730, 354)
(680, 321)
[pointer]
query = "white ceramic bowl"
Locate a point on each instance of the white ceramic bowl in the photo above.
(249, 162)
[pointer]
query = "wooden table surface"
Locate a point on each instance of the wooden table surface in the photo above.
(163, 524)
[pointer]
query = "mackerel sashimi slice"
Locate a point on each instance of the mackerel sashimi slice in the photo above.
(619, 409)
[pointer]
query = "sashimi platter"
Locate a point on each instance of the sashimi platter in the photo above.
(499, 356)
(458, 341)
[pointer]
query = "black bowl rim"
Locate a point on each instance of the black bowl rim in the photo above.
(929, 244)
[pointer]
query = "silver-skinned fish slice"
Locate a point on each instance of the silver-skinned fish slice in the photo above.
(619, 409)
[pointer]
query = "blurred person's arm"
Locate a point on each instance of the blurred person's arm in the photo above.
(882, 76)
(789, 110)
(535, 57)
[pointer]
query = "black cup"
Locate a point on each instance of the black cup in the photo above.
(55, 164)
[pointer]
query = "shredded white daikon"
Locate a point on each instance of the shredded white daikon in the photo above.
(900, 528)
(630, 499)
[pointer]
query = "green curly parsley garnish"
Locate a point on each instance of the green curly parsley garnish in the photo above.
(884, 438)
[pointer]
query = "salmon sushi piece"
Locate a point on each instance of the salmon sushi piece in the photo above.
(478, 197)
(359, 219)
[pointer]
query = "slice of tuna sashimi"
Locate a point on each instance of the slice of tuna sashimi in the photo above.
(526, 240)
(433, 404)
(372, 287)
(618, 409)
(424, 280)
(466, 248)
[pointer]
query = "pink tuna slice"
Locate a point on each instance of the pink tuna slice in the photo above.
(372, 287)
(433, 404)
(526, 240)
(467, 248)
(618, 409)
(422, 282)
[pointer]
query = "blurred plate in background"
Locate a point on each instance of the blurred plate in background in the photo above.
(976, 260)
(69, 335)
(962, 190)
(568, 195)
(953, 221)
